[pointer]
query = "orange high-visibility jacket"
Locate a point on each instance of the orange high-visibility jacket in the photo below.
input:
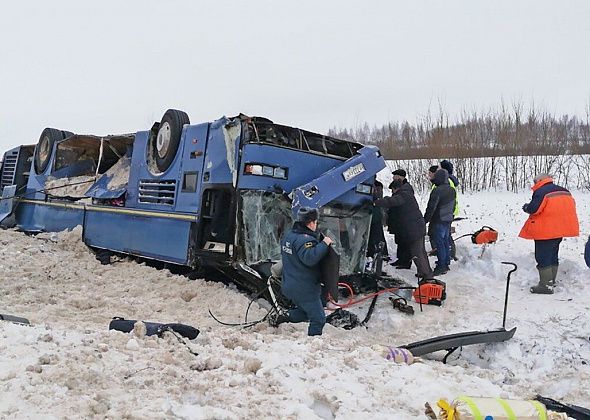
(552, 213)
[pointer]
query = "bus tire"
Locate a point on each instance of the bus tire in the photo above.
(164, 145)
(44, 148)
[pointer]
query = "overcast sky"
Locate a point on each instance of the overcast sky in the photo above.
(108, 67)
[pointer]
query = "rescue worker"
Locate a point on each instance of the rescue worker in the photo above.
(376, 235)
(394, 224)
(411, 229)
(454, 183)
(430, 174)
(439, 213)
(302, 248)
(552, 216)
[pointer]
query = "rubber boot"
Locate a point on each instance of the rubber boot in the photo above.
(275, 319)
(545, 278)
(554, 269)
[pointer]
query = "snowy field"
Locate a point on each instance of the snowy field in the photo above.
(67, 364)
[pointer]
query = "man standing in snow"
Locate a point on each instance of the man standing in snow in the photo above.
(587, 253)
(439, 213)
(552, 216)
(395, 225)
(454, 183)
(411, 229)
(302, 249)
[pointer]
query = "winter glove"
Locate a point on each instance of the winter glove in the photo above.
(525, 207)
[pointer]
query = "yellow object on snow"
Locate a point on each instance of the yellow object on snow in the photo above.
(472, 408)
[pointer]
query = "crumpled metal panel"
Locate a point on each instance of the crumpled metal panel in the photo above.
(339, 180)
(113, 183)
(7, 202)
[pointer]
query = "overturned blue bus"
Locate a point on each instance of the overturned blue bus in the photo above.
(215, 195)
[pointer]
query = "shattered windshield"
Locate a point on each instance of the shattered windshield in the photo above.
(266, 216)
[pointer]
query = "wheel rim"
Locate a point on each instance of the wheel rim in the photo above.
(163, 140)
(43, 150)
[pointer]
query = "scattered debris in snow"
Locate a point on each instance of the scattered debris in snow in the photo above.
(68, 364)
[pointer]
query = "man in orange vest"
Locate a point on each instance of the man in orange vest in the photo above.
(552, 216)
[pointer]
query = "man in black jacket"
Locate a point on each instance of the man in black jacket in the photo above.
(404, 256)
(411, 228)
(439, 213)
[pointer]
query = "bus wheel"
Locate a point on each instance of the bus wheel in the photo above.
(45, 146)
(164, 144)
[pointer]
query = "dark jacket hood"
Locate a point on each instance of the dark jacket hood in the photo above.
(441, 177)
(445, 164)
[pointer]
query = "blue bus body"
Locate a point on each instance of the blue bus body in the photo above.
(224, 200)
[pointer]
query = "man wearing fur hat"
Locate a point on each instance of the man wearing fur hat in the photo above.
(395, 225)
(302, 249)
(552, 216)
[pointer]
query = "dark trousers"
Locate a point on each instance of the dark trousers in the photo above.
(404, 253)
(547, 252)
(309, 309)
(420, 258)
(376, 236)
(430, 234)
(442, 240)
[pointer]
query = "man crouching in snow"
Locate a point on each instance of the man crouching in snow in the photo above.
(552, 216)
(301, 252)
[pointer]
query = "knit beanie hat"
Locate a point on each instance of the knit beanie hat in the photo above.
(445, 164)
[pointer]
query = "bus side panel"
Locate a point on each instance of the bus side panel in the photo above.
(48, 218)
(190, 170)
(158, 238)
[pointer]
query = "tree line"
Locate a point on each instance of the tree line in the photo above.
(506, 132)
(500, 149)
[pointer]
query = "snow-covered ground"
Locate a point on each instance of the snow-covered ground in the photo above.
(67, 364)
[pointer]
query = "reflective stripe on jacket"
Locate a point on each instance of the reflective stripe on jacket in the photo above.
(552, 213)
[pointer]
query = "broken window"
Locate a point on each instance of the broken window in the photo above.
(81, 159)
(266, 217)
(89, 155)
(266, 132)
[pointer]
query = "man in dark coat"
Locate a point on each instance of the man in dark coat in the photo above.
(411, 227)
(302, 249)
(439, 213)
(454, 182)
(587, 253)
(431, 171)
(404, 257)
(376, 235)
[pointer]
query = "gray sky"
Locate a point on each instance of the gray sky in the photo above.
(110, 66)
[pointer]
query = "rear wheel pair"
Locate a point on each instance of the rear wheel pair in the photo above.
(163, 146)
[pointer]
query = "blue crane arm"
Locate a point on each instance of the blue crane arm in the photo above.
(339, 180)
